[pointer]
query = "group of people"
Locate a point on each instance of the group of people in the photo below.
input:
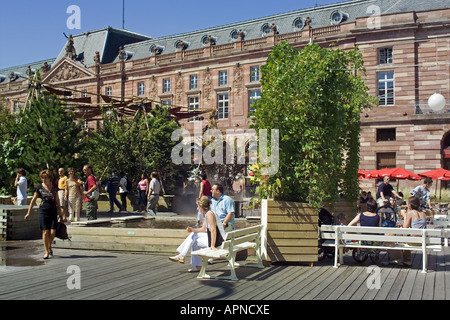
(149, 191)
(216, 210)
(413, 217)
(418, 202)
(59, 197)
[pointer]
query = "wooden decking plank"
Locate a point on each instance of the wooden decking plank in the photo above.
(355, 272)
(279, 282)
(210, 288)
(275, 285)
(153, 269)
(398, 284)
(95, 286)
(418, 285)
(54, 266)
(318, 285)
(127, 276)
(354, 285)
(271, 273)
(39, 286)
(346, 272)
(249, 283)
(300, 277)
(172, 278)
(307, 284)
(387, 285)
(439, 285)
(446, 254)
(293, 286)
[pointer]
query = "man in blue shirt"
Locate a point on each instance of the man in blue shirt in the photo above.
(22, 184)
(223, 205)
(423, 193)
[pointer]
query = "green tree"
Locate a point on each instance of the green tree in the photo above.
(134, 145)
(9, 152)
(47, 136)
(314, 97)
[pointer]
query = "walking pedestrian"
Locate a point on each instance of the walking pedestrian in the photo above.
(205, 190)
(90, 186)
(123, 190)
(113, 186)
(21, 183)
(73, 196)
(153, 194)
(142, 193)
(61, 191)
(48, 210)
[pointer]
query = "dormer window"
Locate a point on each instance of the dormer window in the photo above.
(299, 24)
(265, 29)
(180, 44)
(337, 17)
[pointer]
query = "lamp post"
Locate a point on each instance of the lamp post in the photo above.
(436, 102)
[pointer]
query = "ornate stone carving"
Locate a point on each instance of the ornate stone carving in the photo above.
(241, 35)
(307, 23)
(273, 29)
(71, 53)
(67, 72)
(179, 88)
(97, 62)
(153, 88)
(238, 80)
(45, 67)
(122, 58)
(207, 85)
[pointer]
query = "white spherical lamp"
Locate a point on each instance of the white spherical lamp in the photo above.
(437, 102)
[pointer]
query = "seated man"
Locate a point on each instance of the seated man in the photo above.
(386, 192)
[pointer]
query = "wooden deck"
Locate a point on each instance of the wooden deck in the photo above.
(127, 276)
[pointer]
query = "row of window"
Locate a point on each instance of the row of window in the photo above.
(223, 104)
(255, 76)
(385, 80)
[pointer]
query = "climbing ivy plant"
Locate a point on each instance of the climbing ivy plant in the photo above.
(314, 97)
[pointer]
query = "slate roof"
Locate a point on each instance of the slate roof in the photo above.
(285, 22)
(108, 40)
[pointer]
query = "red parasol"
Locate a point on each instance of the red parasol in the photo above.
(363, 174)
(378, 174)
(438, 174)
(395, 173)
(400, 173)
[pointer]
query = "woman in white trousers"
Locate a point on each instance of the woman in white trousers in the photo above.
(211, 235)
(194, 241)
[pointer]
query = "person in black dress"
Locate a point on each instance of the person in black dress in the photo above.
(48, 211)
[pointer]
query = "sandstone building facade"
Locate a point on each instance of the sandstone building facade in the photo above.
(405, 45)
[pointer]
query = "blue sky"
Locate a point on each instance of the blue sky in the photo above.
(34, 30)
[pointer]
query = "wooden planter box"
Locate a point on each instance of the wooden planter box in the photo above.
(157, 241)
(13, 226)
(291, 232)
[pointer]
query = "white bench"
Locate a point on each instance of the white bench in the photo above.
(443, 221)
(235, 241)
(344, 237)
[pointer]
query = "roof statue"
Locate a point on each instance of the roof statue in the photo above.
(71, 53)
